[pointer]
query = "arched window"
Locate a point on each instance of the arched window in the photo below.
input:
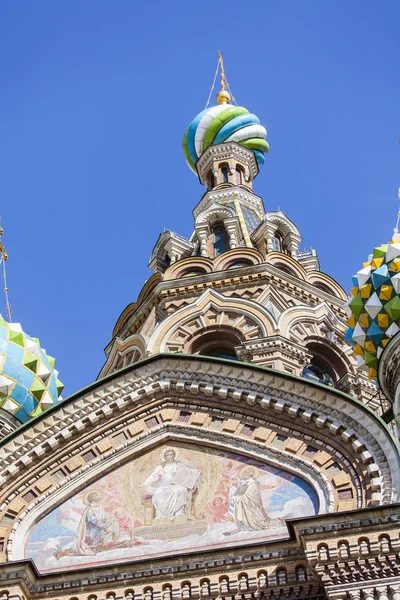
(205, 588)
(210, 180)
(191, 272)
(316, 371)
(221, 352)
(243, 262)
(243, 582)
(286, 269)
(301, 574)
(239, 175)
(216, 341)
(323, 552)
(324, 288)
(281, 577)
(186, 590)
(384, 543)
(343, 548)
(364, 546)
(219, 240)
(277, 243)
(224, 586)
(224, 174)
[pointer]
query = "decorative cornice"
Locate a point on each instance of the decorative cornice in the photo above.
(226, 151)
(300, 399)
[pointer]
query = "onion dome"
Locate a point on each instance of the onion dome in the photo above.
(374, 306)
(224, 123)
(28, 380)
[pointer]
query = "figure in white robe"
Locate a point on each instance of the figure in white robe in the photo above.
(170, 499)
(246, 505)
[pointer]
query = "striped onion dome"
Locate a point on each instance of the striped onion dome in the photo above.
(224, 123)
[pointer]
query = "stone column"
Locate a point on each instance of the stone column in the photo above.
(231, 231)
(382, 592)
(395, 591)
(202, 235)
(368, 594)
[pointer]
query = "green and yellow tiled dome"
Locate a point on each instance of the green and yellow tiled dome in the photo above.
(374, 306)
(28, 380)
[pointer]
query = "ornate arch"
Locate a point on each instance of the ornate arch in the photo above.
(179, 268)
(128, 350)
(215, 212)
(282, 222)
(294, 267)
(222, 262)
(210, 310)
(320, 330)
(332, 286)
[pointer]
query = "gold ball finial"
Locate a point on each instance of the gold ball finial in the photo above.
(223, 97)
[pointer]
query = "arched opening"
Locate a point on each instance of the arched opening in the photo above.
(237, 264)
(324, 288)
(221, 352)
(219, 342)
(285, 269)
(219, 239)
(224, 172)
(192, 272)
(239, 175)
(326, 365)
(277, 243)
(210, 180)
(316, 371)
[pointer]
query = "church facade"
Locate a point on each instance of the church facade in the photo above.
(230, 447)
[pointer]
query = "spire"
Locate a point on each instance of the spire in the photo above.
(396, 235)
(3, 260)
(223, 97)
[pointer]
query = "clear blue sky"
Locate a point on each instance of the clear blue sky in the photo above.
(96, 96)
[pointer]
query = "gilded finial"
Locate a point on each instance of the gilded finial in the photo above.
(223, 97)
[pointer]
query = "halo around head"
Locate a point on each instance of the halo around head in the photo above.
(255, 471)
(89, 493)
(168, 449)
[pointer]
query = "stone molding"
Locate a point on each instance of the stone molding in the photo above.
(224, 195)
(226, 151)
(343, 416)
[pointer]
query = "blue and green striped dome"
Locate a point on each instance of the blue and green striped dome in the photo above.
(224, 123)
(28, 380)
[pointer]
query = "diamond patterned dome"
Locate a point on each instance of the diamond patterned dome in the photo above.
(374, 306)
(28, 380)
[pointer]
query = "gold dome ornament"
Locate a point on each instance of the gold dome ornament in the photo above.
(223, 97)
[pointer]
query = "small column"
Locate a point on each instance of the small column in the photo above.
(231, 231)
(395, 591)
(369, 594)
(382, 592)
(355, 594)
(202, 233)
